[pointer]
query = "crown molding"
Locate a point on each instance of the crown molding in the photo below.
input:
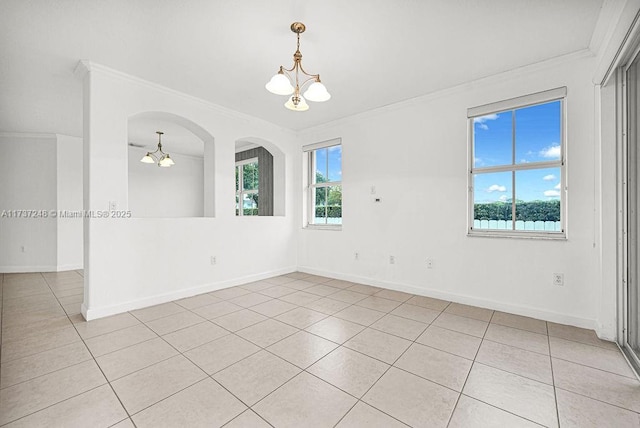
(82, 69)
(85, 67)
(619, 41)
(605, 25)
(487, 80)
(39, 135)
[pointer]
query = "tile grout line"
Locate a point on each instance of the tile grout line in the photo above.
(473, 362)
(598, 400)
(342, 344)
(55, 404)
(413, 342)
(249, 409)
(277, 356)
(76, 395)
(94, 361)
(298, 330)
(553, 380)
(339, 345)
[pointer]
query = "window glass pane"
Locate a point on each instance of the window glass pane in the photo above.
(538, 133)
(237, 205)
(250, 204)
(250, 176)
(492, 201)
(538, 199)
(334, 205)
(321, 174)
(320, 205)
(492, 139)
(335, 163)
(237, 178)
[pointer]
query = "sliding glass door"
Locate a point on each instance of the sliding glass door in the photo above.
(631, 311)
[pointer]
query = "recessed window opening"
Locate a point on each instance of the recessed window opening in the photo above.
(324, 184)
(517, 166)
(247, 187)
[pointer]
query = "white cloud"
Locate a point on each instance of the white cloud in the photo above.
(524, 161)
(549, 177)
(496, 188)
(551, 152)
(481, 120)
(478, 161)
(557, 186)
(552, 193)
(503, 198)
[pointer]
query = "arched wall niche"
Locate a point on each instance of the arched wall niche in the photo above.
(274, 195)
(183, 190)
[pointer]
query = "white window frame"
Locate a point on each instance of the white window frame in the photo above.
(558, 94)
(310, 185)
(240, 192)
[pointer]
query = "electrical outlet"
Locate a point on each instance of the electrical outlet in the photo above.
(429, 263)
(356, 256)
(558, 279)
(213, 260)
(392, 260)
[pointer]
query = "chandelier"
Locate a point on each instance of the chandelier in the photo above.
(158, 156)
(287, 80)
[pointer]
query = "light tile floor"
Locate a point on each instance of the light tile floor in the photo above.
(299, 350)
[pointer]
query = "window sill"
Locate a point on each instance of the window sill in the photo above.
(550, 236)
(335, 228)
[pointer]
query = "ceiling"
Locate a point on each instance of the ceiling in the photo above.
(370, 53)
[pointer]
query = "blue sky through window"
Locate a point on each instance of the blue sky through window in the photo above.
(537, 135)
(333, 170)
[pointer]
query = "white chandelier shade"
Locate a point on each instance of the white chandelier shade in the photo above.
(297, 105)
(280, 85)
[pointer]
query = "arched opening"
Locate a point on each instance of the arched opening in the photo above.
(260, 178)
(185, 189)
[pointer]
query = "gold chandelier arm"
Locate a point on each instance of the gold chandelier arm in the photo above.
(288, 69)
(313, 76)
(308, 80)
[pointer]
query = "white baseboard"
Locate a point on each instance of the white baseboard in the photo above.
(526, 311)
(63, 268)
(91, 313)
(38, 269)
(28, 269)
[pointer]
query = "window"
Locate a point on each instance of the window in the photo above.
(324, 184)
(516, 180)
(247, 183)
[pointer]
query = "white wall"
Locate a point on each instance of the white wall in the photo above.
(157, 192)
(131, 263)
(28, 182)
(69, 198)
(40, 172)
(415, 154)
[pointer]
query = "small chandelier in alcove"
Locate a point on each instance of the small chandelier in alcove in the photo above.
(283, 82)
(158, 156)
